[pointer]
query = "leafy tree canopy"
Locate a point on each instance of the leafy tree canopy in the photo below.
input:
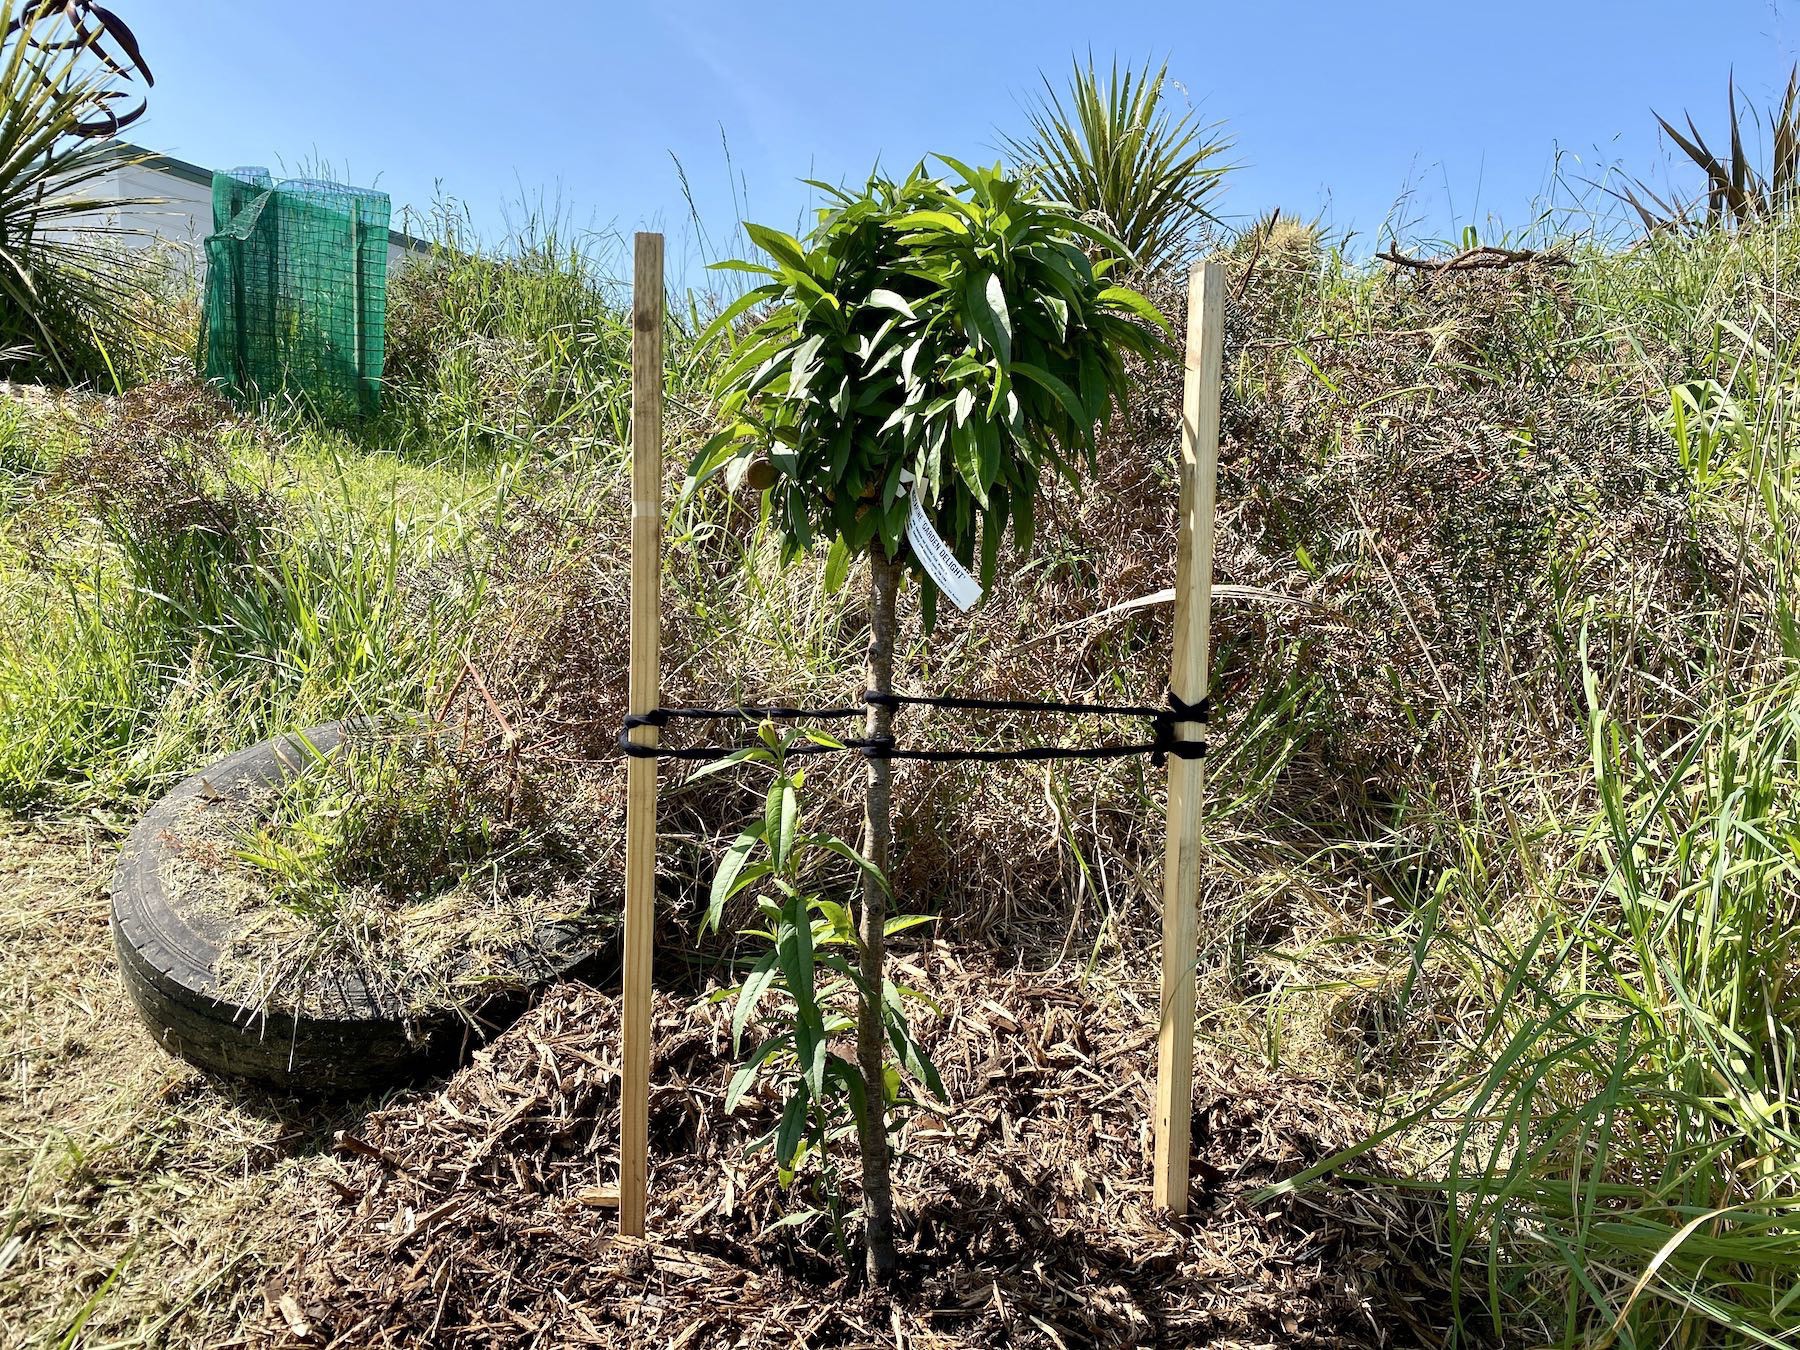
(960, 330)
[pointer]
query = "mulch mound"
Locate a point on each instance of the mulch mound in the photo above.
(482, 1215)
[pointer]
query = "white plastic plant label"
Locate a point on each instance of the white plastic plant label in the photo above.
(940, 564)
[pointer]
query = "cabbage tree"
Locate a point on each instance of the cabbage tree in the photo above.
(1119, 153)
(67, 69)
(932, 346)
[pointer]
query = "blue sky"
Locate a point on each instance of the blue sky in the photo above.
(1458, 112)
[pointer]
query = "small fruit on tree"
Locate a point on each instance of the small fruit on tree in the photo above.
(931, 346)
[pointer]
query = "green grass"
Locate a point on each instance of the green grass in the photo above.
(1600, 951)
(137, 644)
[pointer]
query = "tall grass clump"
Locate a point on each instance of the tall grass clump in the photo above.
(517, 349)
(177, 601)
(1624, 1165)
(1650, 1151)
(1606, 958)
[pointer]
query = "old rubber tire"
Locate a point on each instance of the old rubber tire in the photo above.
(168, 962)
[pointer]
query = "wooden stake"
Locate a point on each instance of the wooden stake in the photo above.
(1188, 681)
(643, 696)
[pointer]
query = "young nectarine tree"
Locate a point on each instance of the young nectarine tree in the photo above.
(918, 363)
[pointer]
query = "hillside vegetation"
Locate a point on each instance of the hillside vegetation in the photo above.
(1503, 823)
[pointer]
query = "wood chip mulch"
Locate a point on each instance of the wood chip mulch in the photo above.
(482, 1215)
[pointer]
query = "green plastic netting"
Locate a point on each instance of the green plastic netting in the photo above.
(296, 291)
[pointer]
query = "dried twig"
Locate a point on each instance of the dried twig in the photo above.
(1487, 257)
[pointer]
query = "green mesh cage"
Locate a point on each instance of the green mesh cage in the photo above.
(296, 291)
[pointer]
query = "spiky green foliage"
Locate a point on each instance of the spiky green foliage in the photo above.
(957, 332)
(1115, 151)
(68, 297)
(1737, 191)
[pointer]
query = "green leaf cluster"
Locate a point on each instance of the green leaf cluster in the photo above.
(939, 340)
(806, 982)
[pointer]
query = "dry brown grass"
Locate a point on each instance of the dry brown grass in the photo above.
(142, 1200)
(1424, 481)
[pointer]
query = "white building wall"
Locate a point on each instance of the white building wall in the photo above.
(177, 215)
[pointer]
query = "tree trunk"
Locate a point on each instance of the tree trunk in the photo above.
(878, 1200)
